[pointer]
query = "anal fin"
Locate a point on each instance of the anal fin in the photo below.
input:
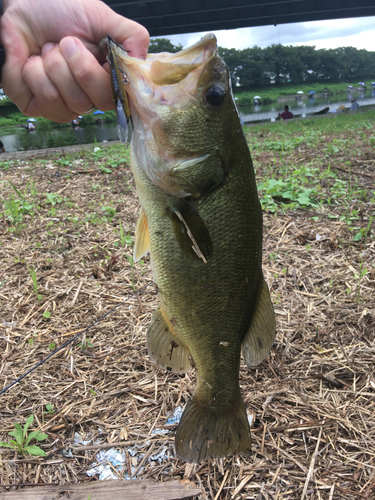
(164, 346)
(142, 238)
(261, 333)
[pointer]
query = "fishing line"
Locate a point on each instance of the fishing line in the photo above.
(72, 339)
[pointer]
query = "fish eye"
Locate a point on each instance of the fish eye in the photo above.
(215, 95)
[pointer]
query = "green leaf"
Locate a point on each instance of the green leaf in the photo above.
(35, 450)
(46, 314)
(17, 433)
(39, 436)
(357, 237)
(15, 445)
(29, 421)
(16, 190)
(5, 445)
(128, 239)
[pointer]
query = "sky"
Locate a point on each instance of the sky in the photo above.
(356, 32)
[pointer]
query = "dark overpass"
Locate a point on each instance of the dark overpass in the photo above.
(172, 17)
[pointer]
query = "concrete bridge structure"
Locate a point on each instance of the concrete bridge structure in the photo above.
(172, 17)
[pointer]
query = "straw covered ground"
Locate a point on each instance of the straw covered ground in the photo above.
(65, 261)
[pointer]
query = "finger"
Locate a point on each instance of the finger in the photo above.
(134, 37)
(58, 70)
(47, 100)
(88, 73)
(137, 44)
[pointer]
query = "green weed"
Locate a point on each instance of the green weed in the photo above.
(105, 170)
(34, 282)
(49, 410)
(17, 206)
(64, 161)
(288, 191)
(21, 444)
(86, 343)
(53, 198)
(110, 212)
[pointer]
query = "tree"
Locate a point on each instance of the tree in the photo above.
(331, 65)
(275, 55)
(247, 67)
(359, 64)
(162, 45)
(310, 59)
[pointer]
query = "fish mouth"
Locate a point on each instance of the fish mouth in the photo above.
(145, 80)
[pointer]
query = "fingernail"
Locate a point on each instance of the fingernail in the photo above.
(47, 47)
(68, 47)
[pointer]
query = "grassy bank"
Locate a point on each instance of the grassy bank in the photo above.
(322, 149)
(271, 93)
(66, 247)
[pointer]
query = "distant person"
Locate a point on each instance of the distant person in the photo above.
(31, 127)
(354, 106)
(286, 114)
(2, 147)
(256, 101)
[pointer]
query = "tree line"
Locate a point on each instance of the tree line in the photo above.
(256, 66)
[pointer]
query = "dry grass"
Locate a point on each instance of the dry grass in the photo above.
(313, 398)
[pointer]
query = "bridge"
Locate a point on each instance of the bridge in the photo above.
(172, 17)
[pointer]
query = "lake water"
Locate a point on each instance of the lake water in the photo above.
(86, 135)
(306, 106)
(250, 114)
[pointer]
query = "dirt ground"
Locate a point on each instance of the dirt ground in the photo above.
(312, 399)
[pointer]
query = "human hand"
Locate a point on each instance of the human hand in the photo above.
(53, 66)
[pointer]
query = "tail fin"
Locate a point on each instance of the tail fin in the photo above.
(212, 432)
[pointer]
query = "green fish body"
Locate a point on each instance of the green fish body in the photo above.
(201, 220)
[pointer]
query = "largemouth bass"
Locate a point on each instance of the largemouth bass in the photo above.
(201, 220)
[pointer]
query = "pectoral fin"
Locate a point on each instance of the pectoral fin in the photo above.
(190, 231)
(142, 238)
(164, 346)
(261, 333)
